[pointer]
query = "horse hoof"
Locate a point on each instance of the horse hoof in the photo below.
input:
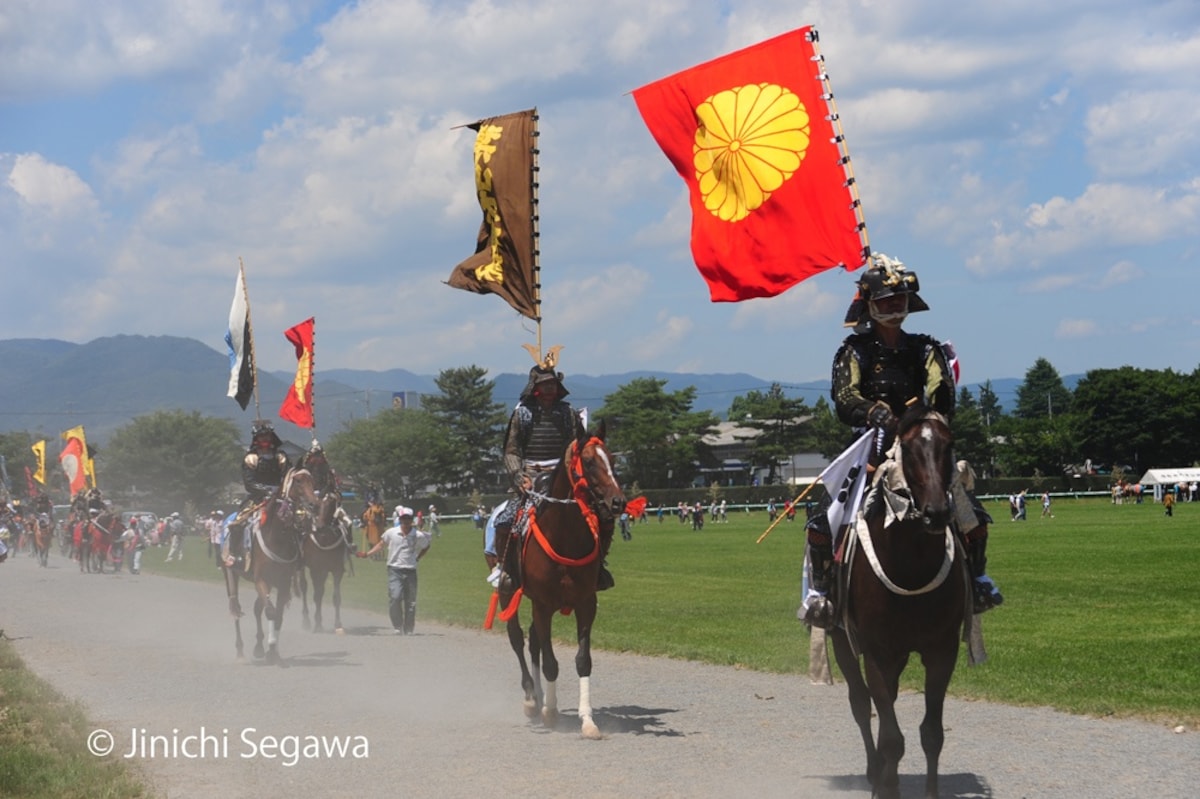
(259, 652)
(531, 709)
(590, 731)
(549, 718)
(339, 630)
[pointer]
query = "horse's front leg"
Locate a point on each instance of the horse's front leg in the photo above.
(302, 590)
(939, 668)
(259, 651)
(540, 632)
(337, 604)
(883, 680)
(860, 698)
(318, 586)
(585, 616)
(516, 638)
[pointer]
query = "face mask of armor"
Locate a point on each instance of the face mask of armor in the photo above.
(892, 318)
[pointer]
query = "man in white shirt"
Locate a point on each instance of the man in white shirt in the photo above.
(406, 545)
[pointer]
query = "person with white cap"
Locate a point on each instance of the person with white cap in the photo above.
(406, 545)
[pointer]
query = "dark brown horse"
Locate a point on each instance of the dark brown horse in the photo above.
(277, 533)
(904, 590)
(325, 553)
(569, 531)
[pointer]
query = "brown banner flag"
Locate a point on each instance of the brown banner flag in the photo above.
(503, 262)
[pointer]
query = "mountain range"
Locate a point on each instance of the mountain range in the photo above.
(48, 386)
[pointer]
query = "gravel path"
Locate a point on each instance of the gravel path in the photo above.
(438, 714)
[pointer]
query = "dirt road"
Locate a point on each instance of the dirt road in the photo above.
(438, 714)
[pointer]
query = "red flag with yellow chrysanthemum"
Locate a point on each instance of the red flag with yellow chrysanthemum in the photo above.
(755, 137)
(297, 406)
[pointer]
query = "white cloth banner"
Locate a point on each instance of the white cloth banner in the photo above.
(845, 479)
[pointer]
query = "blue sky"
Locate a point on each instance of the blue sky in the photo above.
(1037, 164)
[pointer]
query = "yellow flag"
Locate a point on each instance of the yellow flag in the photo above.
(39, 452)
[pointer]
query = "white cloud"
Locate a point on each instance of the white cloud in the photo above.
(48, 187)
(1077, 328)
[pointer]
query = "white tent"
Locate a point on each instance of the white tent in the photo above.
(1162, 478)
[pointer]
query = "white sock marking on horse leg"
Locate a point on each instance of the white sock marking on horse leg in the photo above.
(585, 700)
(551, 701)
(272, 634)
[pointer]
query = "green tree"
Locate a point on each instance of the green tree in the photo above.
(825, 433)
(781, 422)
(970, 435)
(175, 458)
(474, 425)
(1043, 393)
(657, 434)
(403, 450)
(990, 409)
(1141, 417)
(18, 455)
(1047, 445)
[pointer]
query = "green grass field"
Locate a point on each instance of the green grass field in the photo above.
(1099, 615)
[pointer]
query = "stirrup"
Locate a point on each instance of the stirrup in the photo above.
(985, 594)
(821, 612)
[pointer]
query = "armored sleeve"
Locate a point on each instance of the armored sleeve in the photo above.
(514, 449)
(848, 399)
(939, 380)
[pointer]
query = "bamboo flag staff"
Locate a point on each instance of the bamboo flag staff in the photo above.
(239, 338)
(844, 479)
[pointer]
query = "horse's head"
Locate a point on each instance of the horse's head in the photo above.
(327, 508)
(591, 469)
(927, 456)
(299, 495)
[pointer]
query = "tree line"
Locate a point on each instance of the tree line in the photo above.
(1124, 419)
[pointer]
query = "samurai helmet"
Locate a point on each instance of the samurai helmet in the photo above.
(884, 277)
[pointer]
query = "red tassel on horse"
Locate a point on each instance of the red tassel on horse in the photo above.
(491, 611)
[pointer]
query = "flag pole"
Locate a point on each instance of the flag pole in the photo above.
(534, 231)
(250, 327)
(312, 376)
(835, 120)
(779, 518)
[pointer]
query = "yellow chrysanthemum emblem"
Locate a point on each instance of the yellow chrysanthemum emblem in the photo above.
(749, 142)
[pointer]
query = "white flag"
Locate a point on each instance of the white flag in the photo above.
(845, 479)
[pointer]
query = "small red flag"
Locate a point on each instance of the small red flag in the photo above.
(297, 406)
(752, 135)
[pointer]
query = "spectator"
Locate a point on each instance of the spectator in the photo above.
(405, 546)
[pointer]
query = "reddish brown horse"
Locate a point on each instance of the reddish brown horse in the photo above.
(97, 539)
(277, 534)
(325, 552)
(569, 531)
(904, 590)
